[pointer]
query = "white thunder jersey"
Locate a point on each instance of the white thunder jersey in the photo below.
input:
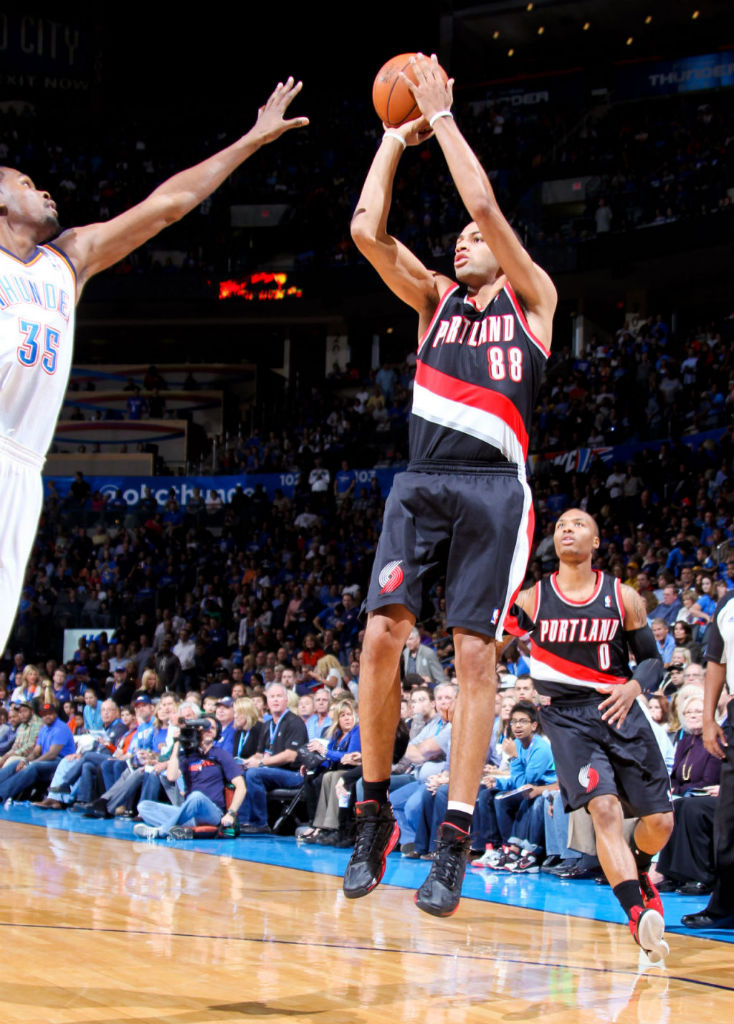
(37, 300)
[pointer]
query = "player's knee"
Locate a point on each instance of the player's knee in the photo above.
(661, 825)
(383, 634)
(474, 659)
(606, 813)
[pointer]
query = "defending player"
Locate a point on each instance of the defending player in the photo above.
(463, 508)
(39, 286)
(585, 624)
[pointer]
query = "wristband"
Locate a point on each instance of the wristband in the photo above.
(440, 113)
(394, 135)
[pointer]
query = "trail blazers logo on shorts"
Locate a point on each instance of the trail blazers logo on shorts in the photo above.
(589, 777)
(391, 576)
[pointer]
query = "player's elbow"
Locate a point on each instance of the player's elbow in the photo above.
(176, 208)
(171, 208)
(363, 233)
(484, 211)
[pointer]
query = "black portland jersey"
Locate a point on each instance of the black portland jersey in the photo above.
(476, 379)
(577, 645)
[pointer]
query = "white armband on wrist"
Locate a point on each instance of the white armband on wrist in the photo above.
(440, 113)
(395, 135)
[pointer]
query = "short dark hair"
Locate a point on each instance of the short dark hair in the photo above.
(525, 707)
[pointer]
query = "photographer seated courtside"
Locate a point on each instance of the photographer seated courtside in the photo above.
(205, 772)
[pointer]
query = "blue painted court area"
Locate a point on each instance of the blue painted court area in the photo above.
(577, 898)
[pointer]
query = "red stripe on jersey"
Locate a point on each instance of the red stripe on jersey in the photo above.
(475, 397)
(572, 668)
(512, 626)
(620, 602)
(521, 317)
(536, 606)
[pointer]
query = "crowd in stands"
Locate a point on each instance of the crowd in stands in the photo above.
(258, 620)
(289, 719)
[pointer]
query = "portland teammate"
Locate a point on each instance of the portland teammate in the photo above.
(39, 286)
(463, 508)
(585, 625)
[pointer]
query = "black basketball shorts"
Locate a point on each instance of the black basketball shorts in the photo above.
(474, 528)
(594, 758)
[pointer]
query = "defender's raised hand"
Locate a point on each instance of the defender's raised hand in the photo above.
(271, 123)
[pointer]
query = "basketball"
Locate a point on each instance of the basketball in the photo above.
(391, 97)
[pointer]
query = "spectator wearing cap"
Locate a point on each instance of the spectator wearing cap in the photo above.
(121, 687)
(224, 714)
(54, 741)
(80, 679)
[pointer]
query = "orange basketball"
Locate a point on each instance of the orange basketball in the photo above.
(392, 99)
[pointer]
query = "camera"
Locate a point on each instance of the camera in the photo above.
(190, 733)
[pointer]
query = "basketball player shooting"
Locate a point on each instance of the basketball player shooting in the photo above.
(463, 508)
(40, 284)
(584, 624)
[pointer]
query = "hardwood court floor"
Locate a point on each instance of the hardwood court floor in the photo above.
(108, 931)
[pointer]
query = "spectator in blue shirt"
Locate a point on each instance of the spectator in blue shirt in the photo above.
(510, 806)
(54, 741)
(92, 713)
(670, 605)
(62, 693)
(664, 640)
